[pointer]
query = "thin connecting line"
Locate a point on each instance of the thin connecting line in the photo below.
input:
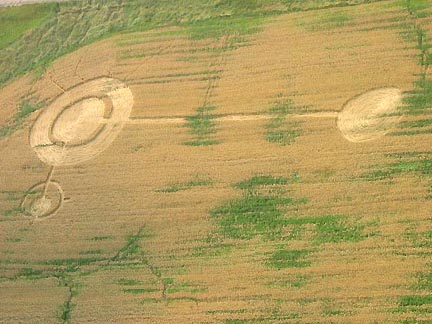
(224, 118)
(48, 181)
(50, 176)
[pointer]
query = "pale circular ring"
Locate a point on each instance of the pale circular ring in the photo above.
(111, 92)
(370, 115)
(34, 196)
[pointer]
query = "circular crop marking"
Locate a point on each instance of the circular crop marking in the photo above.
(41, 202)
(82, 122)
(368, 116)
(78, 123)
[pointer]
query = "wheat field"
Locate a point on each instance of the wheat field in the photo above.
(233, 162)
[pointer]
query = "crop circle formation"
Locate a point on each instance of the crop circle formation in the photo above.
(370, 115)
(43, 200)
(82, 122)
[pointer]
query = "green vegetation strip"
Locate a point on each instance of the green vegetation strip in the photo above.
(261, 212)
(16, 21)
(202, 126)
(219, 27)
(326, 21)
(280, 129)
(419, 101)
(419, 302)
(69, 271)
(289, 259)
(419, 164)
(26, 109)
(186, 186)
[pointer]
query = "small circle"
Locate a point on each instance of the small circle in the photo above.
(41, 202)
(79, 122)
(40, 206)
(370, 115)
(82, 122)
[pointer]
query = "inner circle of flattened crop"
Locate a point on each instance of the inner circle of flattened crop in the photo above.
(370, 115)
(40, 203)
(82, 122)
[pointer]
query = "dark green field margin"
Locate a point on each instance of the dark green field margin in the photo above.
(74, 24)
(16, 21)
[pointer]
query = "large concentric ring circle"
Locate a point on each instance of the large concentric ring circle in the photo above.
(116, 101)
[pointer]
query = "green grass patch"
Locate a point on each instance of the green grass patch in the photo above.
(12, 195)
(26, 109)
(67, 307)
(280, 129)
(290, 281)
(233, 27)
(253, 215)
(202, 127)
(139, 291)
(412, 132)
(129, 282)
(258, 181)
(417, 5)
(132, 249)
(73, 263)
(261, 211)
(419, 101)
(326, 21)
(91, 252)
(187, 288)
(15, 211)
(202, 142)
(415, 301)
(421, 167)
(337, 19)
(101, 238)
(299, 282)
(289, 259)
(333, 229)
(421, 241)
(329, 229)
(129, 39)
(417, 124)
(168, 281)
(424, 281)
(66, 312)
(213, 250)
(14, 240)
(421, 303)
(286, 137)
(212, 246)
(185, 186)
(32, 274)
(16, 21)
